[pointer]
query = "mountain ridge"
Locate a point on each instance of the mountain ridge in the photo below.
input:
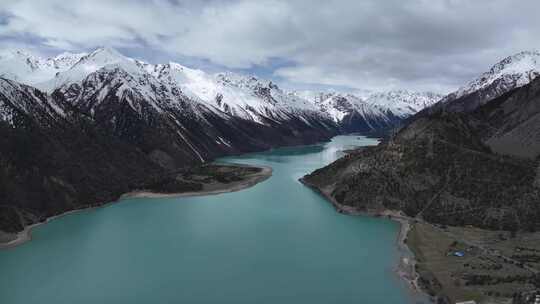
(245, 96)
(510, 73)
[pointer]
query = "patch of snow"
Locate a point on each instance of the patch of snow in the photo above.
(223, 141)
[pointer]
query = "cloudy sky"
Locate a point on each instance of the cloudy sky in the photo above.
(372, 44)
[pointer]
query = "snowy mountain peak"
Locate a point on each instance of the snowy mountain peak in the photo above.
(177, 66)
(510, 73)
(243, 81)
(91, 63)
(398, 103)
(25, 67)
(402, 101)
(66, 60)
(102, 57)
(106, 52)
(518, 63)
(105, 72)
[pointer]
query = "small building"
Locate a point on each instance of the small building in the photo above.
(459, 254)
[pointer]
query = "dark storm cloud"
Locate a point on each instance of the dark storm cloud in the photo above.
(373, 44)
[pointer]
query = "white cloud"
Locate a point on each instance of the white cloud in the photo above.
(418, 44)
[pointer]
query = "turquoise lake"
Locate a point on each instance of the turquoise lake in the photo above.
(277, 242)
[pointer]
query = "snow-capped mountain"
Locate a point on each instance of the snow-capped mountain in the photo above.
(229, 94)
(242, 96)
(178, 115)
(88, 64)
(245, 97)
(402, 103)
(105, 72)
(369, 111)
(22, 66)
(508, 74)
(514, 71)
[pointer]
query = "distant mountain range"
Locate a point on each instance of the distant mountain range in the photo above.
(370, 111)
(245, 97)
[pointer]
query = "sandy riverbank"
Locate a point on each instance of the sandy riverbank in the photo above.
(10, 240)
(406, 266)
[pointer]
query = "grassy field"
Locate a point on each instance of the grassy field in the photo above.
(490, 270)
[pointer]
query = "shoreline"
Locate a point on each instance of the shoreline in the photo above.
(406, 265)
(251, 180)
(407, 261)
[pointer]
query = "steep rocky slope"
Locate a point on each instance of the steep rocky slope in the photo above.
(513, 122)
(50, 164)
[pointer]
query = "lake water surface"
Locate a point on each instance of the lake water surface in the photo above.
(277, 242)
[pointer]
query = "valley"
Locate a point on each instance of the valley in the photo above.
(99, 116)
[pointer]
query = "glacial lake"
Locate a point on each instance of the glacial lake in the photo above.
(277, 242)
